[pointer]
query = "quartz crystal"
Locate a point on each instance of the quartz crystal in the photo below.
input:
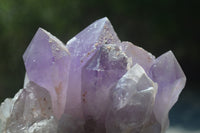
(94, 84)
(30, 111)
(132, 101)
(47, 63)
(82, 47)
(99, 75)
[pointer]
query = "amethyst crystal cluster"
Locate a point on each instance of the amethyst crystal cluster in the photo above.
(94, 84)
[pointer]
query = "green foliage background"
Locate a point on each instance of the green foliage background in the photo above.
(155, 25)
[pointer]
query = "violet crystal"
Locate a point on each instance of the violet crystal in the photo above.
(94, 84)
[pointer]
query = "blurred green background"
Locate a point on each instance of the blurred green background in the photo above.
(155, 25)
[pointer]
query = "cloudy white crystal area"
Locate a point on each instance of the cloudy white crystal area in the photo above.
(6, 111)
(132, 101)
(30, 111)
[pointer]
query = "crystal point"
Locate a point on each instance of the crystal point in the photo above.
(30, 108)
(138, 55)
(82, 47)
(131, 102)
(171, 79)
(47, 63)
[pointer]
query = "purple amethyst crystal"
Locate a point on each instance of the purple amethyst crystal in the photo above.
(132, 101)
(94, 84)
(171, 80)
(99, 75)
(82, 47)
(47, 63)
(138, 55)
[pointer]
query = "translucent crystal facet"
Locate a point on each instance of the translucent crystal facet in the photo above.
(94, 84)
(47, 63)
(99, 75)
(132, 101)
(171, 80)
(30, 108)
(138, 55)
(82, 47)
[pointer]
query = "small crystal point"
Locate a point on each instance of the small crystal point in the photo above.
(6, 111)
(31, 112)
(138, 55)
(47, 63)
(132, 101)
(171, 79)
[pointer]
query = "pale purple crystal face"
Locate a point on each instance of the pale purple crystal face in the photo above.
(171, 80)
(94, 84)
(138, 55)
(131, 102)
(82, 47)
(47, 63)
(99, 75)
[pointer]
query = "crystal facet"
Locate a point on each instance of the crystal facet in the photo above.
(171, 80)
(30, 108)
(82, 47)
(138, 55)
(132, 101)
(47, 64)
(99, 75)
(94, 84)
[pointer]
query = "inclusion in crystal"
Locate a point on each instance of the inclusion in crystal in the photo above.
(138, 55)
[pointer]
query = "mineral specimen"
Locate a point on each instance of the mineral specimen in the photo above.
(94, 84)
